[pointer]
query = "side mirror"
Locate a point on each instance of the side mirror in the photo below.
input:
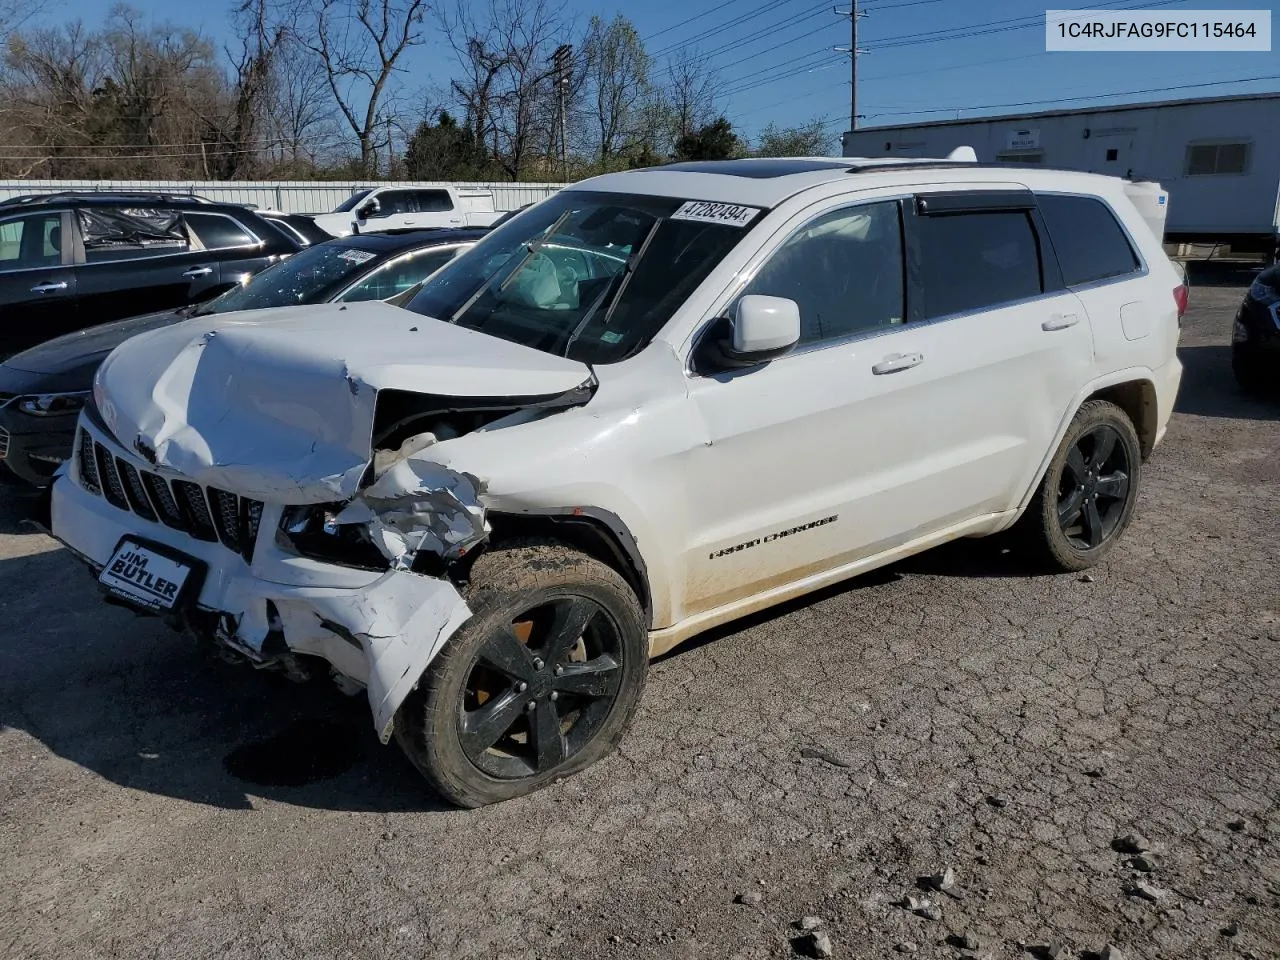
(761, 329)
(370, 209)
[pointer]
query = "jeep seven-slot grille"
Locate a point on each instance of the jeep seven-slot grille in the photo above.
(204, 513)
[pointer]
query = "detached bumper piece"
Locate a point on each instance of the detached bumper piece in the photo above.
(203, 513)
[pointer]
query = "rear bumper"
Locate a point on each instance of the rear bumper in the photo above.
(1167, 381)
(381, 629)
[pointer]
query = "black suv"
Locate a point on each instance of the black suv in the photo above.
(75, 260)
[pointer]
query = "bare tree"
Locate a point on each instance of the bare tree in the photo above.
(301, 115)
(359, 44)
(691, 95)
(506, 85)
(617, 68)
(260, 35)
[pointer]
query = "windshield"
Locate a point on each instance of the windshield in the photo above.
(586, 275)
(311, 276)
(351, 202)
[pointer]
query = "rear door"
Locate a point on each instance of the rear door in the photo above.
(1004, 345)
(435, 208)
(37, 280)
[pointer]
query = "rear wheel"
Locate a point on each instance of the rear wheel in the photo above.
(1248, 373)
(541, 682)
(1087, 496)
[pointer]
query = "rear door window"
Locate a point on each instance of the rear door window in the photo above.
(1087, 238)
(975, 260)
(433, 201)
(219, 232)
(130, 233)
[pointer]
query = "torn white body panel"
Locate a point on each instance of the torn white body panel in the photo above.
(416, 505)
(261, 404)
(378, 629)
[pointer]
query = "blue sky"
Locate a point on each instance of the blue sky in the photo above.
(777, 63)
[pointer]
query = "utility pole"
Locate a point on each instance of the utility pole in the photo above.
(562, 67)
(854, 15)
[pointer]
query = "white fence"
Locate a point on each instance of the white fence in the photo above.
(291, 196)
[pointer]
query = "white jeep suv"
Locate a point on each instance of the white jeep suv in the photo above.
(651, 403)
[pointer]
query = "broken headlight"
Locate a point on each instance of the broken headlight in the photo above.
(314, 532)
(53, 404)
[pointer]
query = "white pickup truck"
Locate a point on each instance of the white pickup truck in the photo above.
(406, 207)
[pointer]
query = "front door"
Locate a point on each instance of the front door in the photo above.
(37, 282)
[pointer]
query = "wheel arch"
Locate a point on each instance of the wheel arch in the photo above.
(596, 532)
(1133, 391)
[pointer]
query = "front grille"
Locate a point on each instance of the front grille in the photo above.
(4, 443)
(205, 514)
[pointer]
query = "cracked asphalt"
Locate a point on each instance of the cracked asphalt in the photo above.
(950, 711)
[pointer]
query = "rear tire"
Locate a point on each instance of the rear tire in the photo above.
(1087, 496)
(1249, 377)
(541, 682)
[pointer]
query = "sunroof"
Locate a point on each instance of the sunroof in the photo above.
(762, 168)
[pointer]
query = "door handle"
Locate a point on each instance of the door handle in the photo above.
(49, 287)
(196, 272)
(896, 362)
(1060, 322)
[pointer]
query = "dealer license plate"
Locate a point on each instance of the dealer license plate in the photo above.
(145, 576)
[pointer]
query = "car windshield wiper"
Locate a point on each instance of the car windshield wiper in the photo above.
(532, 250)
(628, 270)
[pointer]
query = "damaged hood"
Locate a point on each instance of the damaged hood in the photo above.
(279, 404)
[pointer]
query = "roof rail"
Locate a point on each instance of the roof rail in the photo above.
(108, 195)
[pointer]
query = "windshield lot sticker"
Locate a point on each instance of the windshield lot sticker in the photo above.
(703, 211)
(356, 256)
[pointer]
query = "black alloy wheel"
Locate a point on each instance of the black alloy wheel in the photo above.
(541, 688)
(1088, 493)
(1093, 490)
(539, 683)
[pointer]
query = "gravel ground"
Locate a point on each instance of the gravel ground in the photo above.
(813, 762)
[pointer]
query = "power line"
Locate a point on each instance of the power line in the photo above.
(750, 15)
(696, 16)
(1094, 96)
(768, 32)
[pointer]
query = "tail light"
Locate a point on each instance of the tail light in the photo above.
(1180, 295)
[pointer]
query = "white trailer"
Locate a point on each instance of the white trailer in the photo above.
(1219, 158)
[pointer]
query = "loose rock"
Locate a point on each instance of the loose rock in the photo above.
(1131, 843)
(1110, 952)
(816, 944)
(1086, 578)
(909, 902)
(1231, 929)
(998, 801)
(930, 912)
(750, 898)
(1145, 891)
(1144, 864)
(1239, 825)
(809, 923)
(941, 881)
(906, 946)
(970, 941)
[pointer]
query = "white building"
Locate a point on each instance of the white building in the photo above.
(1218, 157)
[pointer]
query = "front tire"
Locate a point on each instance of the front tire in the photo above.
(1087, 496)
(541, 682)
